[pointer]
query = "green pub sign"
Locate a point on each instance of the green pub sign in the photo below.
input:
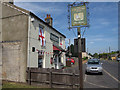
(78, 15)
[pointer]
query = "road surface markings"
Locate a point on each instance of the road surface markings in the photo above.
(97, 85)
(85, 80)
(111, 76)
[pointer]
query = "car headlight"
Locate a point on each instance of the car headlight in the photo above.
(88, 67)
(100, 67)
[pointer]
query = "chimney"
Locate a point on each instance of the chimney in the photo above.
(8, 1)
(49, 19)
(11, 1)
(47, 15)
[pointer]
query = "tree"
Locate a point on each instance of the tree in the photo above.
(90, 54)
(72, 49)
(67, 53)
(104, 55)
(95, 55)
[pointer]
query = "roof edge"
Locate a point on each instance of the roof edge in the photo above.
(47, 24)
(24, 11)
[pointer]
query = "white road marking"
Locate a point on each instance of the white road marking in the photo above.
(85, 78)
(111, 76)
(97, 85)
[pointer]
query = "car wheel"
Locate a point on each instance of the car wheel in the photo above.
(101, 73)
(86, 72)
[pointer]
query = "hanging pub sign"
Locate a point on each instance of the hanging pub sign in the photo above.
(78, 15)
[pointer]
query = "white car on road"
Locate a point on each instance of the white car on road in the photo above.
(93, 66)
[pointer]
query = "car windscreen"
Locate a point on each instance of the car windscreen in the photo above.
(93, 62)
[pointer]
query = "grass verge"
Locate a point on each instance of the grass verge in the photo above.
(7, 84)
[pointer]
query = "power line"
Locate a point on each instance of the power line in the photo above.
(84, 32)
(74, 32)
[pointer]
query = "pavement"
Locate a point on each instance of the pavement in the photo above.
(109, 79)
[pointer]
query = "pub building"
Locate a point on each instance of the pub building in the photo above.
(28, 42)
(56, 54)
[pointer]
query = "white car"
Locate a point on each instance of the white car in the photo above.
(93, 66)
(118, 59)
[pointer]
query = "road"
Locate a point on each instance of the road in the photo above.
(109, 79)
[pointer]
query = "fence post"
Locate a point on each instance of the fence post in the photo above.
(29, 76)
(50, 79)
(73, 76)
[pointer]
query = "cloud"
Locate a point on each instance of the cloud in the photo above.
(102, 21)
(91, 42)
(95, 36)
(102, 15)
(98, 39)
(104, 7)
(41, 7)
(115, 29)
(104, 40)
(101, 39)
(105, 23)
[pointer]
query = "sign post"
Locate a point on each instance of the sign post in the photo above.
(80, 58)
(78, 19)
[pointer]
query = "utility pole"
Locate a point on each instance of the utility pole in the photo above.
(80, 58)
(87, 50)
(109, 49)
(69, 46)
(69, 49)
(109, 54)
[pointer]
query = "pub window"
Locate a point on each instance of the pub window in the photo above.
(33, 49)
(61, 39)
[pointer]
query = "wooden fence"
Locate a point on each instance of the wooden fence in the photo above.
(53, 78)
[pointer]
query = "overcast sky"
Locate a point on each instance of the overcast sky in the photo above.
(103, 30)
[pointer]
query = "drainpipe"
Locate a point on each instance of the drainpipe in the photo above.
(28, 49)
(57, 62)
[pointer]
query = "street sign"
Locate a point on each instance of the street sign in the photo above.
(78, 15)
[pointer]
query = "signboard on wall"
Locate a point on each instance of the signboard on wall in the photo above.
(54, 38)
(78, 15)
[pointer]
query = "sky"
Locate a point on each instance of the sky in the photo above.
(103, 30)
